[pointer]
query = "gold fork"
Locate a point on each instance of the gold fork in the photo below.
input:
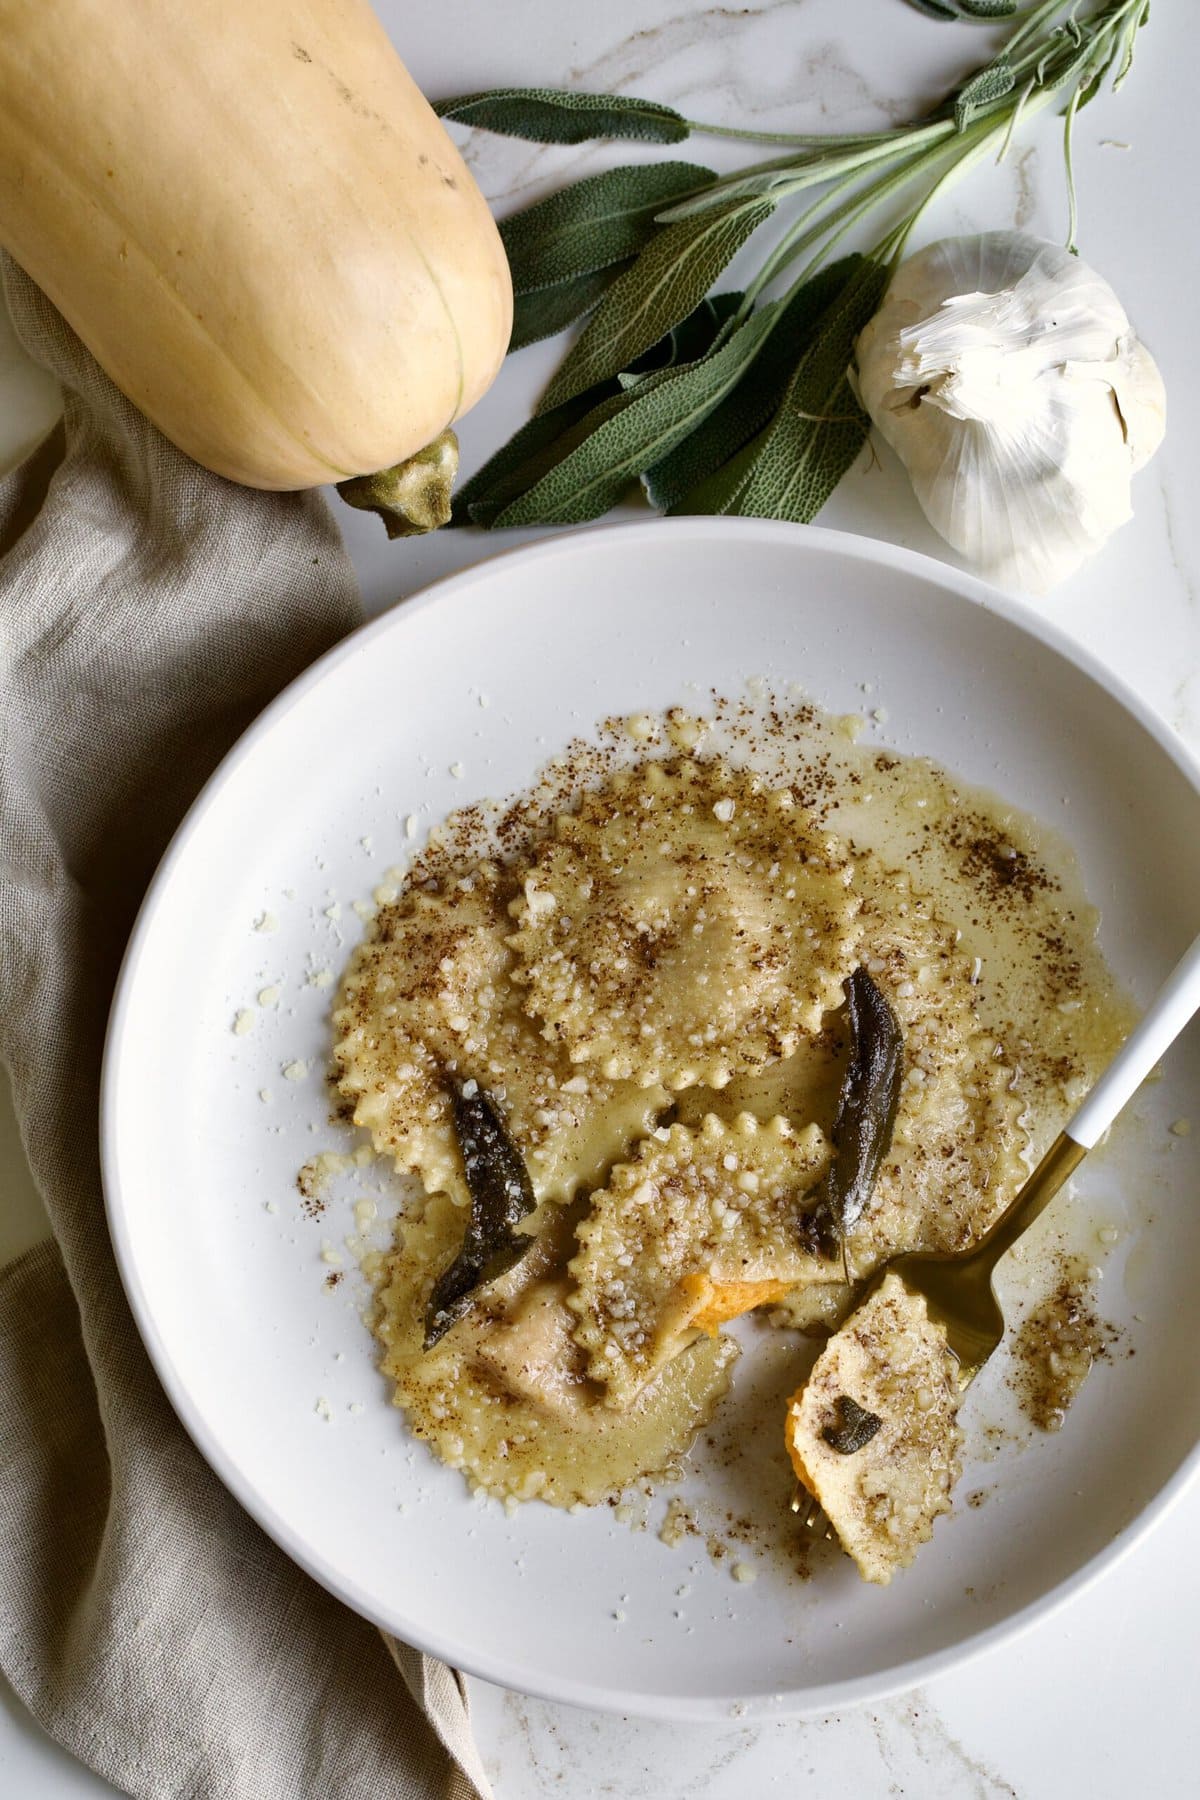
(957, 1290)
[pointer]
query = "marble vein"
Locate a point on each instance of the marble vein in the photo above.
(922, 1754)
(809, 86)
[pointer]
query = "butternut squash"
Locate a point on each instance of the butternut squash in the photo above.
(256, 224)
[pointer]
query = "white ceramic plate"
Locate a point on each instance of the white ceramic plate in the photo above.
(225, 1273)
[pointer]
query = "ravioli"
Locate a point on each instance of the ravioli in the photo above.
(429, 995)
(684, 923)
(892, 1365)
(504, 1395)
(668, 1244)
(960, 1138)
(957, 1155)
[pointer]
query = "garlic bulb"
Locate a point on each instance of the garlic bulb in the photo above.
(1006, 376)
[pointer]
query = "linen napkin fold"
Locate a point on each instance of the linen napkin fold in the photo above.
(148, 610)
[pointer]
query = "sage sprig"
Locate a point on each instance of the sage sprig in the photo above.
(741, 404)
(551, 436)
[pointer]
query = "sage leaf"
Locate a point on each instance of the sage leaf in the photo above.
(1089, 72)
(988, 9)
(866, 1115)
(790, 469)
(852, 1426)
(992, 83)
(1123, 55)
(719, 491)
(756, 396)
(548, 437)
(1088, 90)
(557, 116)
(624, 436)
(602, 220)
(501, 1196)
(528, 455)
(547, 310)
(966, 9)
(670, 277)
(686, 342)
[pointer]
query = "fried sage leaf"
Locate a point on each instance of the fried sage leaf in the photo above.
(866, 1114)
(501, 1196)
(558, 116)
(853, 1426)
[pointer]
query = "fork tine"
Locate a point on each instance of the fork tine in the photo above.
(810, 1515)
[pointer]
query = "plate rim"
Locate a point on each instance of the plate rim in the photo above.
(800, 1702)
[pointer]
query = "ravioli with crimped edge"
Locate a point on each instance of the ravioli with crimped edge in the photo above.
(958, 1139)
(687, 921)
(504, 1396)
(429, 998)
(702, 1226)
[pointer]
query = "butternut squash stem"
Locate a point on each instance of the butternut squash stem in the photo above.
(414, 496)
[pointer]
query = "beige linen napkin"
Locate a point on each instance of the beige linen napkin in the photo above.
(148, 610)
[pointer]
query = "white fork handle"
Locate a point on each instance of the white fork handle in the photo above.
(1169, 1012)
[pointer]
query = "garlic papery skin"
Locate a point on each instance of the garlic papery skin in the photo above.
(1005, 374)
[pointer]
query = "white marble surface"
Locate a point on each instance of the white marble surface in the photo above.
(1099, 1699)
